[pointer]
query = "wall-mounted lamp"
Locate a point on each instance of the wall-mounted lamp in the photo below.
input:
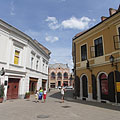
(88, 65)
(2, 72)
(112, 61)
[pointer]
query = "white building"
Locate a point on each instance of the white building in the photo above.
(25, 62)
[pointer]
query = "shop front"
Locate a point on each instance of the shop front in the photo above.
(33, 85)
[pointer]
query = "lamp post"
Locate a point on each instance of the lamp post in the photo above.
(112, 61)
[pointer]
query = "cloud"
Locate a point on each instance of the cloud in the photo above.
(52, 23)
(72, 23)
(75, 23)
(51, 39)
(12, 8)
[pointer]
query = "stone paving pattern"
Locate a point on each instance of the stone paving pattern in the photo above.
(53, 109)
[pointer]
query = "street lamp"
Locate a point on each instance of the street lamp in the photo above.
(88, 66)
(2, 72)
(112, 61)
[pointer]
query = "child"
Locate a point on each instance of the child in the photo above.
(44, 94)
(36, 96)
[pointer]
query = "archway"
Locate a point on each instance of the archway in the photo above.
(103, 82)
(84, 86)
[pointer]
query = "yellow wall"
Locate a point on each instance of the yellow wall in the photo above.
(107, 30)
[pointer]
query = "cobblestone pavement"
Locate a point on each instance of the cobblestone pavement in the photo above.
(53, 109)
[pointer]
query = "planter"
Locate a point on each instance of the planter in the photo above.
(27, 96)
(1, 100)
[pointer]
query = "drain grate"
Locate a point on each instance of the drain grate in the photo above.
(66, 106)
(43, 116)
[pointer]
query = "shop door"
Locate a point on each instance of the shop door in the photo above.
(32, 87)
(103, 86)
(12, 90)
(94, 87)
(84, 86)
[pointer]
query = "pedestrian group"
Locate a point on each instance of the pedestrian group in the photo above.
(41, 94)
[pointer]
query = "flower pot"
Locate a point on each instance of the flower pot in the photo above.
(1, 100)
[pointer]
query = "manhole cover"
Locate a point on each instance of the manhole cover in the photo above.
(66, 106)
(43, 116)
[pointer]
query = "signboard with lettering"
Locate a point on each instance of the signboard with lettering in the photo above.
(118, 86)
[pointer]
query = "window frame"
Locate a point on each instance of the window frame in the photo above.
(16, 56)
(98, 53)
(83, 52)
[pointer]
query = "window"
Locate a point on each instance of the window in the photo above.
(59, 75)
(16, 57)
(37, 62)
(83, 52)
(98, 47)
(32, 62)
(52, 75)
(65, 75)
(119, 30)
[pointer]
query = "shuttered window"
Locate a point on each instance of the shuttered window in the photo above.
(16, 57)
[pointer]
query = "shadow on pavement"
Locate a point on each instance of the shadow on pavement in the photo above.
(69, 97)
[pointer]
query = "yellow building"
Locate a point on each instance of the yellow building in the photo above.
(96, 56)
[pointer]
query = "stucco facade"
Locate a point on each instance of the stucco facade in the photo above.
(96, 77)
(24, 60)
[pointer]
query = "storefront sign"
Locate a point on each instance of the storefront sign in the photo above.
(118, 86)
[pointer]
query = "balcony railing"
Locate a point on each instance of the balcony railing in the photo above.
(59, 78)
(116, 40)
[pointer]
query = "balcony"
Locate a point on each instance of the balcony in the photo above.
(116, 40)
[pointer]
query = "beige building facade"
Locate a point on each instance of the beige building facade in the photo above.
(96, 56)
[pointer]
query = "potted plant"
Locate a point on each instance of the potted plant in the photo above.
(27, 95)
(1, 93)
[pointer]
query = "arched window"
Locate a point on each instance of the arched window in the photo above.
(65, 75)
(52, 75)
(59, 75)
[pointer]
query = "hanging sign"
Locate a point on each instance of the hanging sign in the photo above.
(118, 86)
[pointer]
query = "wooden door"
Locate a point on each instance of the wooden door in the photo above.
(94, 87)
(84, 86)
(12, 90)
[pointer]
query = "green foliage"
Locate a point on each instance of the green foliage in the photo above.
(1, 91)
(27, 94)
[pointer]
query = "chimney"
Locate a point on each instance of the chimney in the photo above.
(119, 8)
(112, 11)
(103, 18)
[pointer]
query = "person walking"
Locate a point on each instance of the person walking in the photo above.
(62, 93)
(44, 94)
(40, 93)
(36, 96)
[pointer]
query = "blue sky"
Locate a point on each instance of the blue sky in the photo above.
(55, 22)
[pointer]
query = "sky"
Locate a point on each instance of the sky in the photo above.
(55, 22)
